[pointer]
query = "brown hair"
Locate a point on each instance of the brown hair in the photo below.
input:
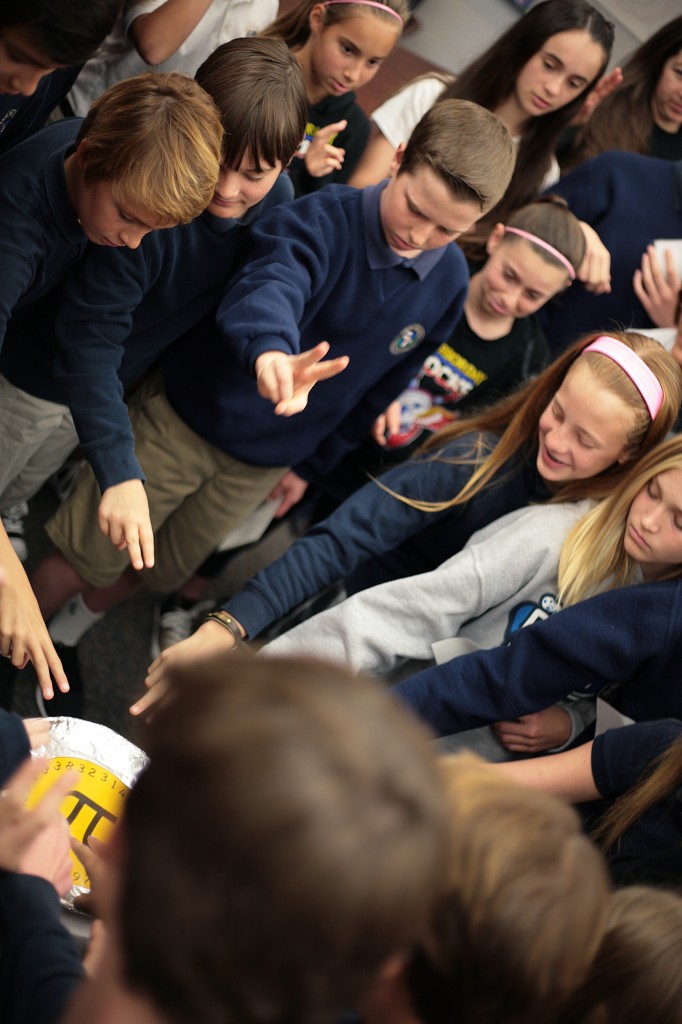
(490, 79)
(551, 220)
(624, 120)
(636, 976)
(526, 909)
(294, 25)
(289, 836)
(514, 421)
(467, 147)
(258, 87)
(158, 139)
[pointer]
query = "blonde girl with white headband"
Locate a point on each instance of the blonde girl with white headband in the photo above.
(340, 45)
(570, 433)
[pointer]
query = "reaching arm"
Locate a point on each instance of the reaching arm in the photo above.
(567, 775)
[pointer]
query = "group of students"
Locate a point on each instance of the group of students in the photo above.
(209, 341)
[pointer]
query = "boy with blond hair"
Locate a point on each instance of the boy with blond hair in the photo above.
(146, 157)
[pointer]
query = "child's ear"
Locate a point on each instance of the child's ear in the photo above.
(397, 160)
(494, 239)
(81, 154)
(316, 18)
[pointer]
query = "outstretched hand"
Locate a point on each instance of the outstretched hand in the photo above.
(20, 826)
(123, 517)
(658, 290)
(321, 157)
(210, 639)
(288, 380)
(387, 424)
(23, 633)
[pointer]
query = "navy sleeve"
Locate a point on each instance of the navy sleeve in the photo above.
(14, 746)
(619, 756)
(39, 965)
(94, 321)
(627, 636)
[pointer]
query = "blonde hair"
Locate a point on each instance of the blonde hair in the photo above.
(514, 421)
(636, 976)
(158, 139)
(526, 908)
(294, 26)
(467, 147)
(593, 552)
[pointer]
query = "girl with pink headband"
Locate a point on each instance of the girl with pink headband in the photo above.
(340, 45)
(572, 432)
(498, 342)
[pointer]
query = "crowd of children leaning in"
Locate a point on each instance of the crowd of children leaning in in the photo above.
(452, 330)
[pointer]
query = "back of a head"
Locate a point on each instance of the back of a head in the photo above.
(636, 975)
(66, 31)
(258, 87)
(157, 138)
(467, 147)
(289, 836)
(526, 909)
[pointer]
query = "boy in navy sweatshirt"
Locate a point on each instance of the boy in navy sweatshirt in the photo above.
(125, 170)
(120, 309)
(370, 274)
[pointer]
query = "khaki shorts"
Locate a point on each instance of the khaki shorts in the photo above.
(196, 495)
(36, 437)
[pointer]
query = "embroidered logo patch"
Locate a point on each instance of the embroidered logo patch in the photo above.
(408, 338)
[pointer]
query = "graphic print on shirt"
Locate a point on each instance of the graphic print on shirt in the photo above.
(427, 405)
(528, 612)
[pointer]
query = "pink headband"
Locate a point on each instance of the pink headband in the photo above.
(639, 373)
(366, 3)
(533, 238)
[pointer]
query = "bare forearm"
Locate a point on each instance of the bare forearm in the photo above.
(160, 33)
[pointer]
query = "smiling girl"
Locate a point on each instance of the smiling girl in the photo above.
(535, 77)
(340, 45)
(567, 434)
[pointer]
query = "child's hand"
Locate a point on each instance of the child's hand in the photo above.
(290, 489)
(387, 424)
(49, 856)
(209, 640)
(23, 633)
(658, 291)
(38, 732)
(321, 157)
(124, 517)
(604, 87)
(19, 826)
(288, 380)
(595, 269)
(531, 734)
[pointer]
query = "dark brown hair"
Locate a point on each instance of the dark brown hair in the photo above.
(66, 31)
(624, 120)
(258, 87)
(294, 25)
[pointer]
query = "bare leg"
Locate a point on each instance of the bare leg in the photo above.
(101, 599)
(194, 589)
(54, 582)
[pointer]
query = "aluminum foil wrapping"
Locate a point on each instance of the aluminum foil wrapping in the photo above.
(105, 766)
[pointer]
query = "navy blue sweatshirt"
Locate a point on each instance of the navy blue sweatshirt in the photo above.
(629, 200)
(317, 269)
(631, 637)
(21, 116)
(120, 309)
(41, 236)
